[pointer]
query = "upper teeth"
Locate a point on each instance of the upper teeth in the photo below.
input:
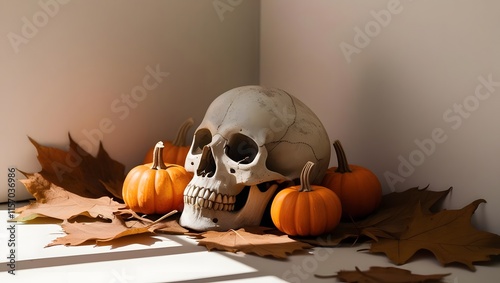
(207, 198)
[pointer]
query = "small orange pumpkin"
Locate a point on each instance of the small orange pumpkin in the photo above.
(175, 151)
(358, 188)
(305, 209)
(156, 188)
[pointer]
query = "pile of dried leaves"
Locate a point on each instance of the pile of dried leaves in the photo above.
(78, 188)
(405, 224)
(82, 191)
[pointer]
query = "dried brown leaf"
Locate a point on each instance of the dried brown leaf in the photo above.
(55, 202)
(171, 227)
(397, 209)
(385, 274)
(79, 172)
(78, 233)
(447, 234)
(251, 240)
(391, 219)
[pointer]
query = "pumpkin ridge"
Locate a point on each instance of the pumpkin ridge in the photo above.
(144, 195)
(334, 208)
(317, 221)
(303, 213)
(161, 179)
(289, 203)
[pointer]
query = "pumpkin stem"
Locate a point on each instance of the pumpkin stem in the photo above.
(305, 185)
(180, 139)
(158, 157)
(343, 165)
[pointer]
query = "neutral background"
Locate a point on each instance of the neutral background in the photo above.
(381, 75)
(78, 67)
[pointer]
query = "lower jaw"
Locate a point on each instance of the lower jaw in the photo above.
(193, 217)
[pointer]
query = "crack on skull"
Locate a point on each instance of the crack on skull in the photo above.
(294, 115)
(225, 114)
(291, 124)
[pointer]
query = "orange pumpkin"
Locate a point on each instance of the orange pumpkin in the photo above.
(305, 209)
(358, 188)
(175, 151)
(156, 188)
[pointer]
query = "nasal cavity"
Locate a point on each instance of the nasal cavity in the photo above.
(207, 165)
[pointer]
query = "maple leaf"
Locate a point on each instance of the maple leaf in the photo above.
(251, 240)
(55, 202)
(384, 274)
(79, 172)
(78, 233)
(390, 219)
(447, 234)
(397, 209)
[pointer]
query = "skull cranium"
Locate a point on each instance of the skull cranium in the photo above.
(250, 138)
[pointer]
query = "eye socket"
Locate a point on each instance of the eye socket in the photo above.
(202, 137)
(241, 149)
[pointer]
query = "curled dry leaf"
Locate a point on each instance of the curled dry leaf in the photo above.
(78, 233)
(384, 274)
(79, 172)
(55, 202)
(251, 240)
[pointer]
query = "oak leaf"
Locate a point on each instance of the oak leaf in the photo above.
(252, 240)
(385, 274)
(447, 234)
(79, 172)
(389, 220)
(55, 202)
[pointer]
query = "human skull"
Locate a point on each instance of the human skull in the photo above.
(250, 139)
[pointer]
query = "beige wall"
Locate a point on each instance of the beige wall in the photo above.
(401, 84)
(74, 66)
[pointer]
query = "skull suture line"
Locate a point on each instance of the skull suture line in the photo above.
(250, 139)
